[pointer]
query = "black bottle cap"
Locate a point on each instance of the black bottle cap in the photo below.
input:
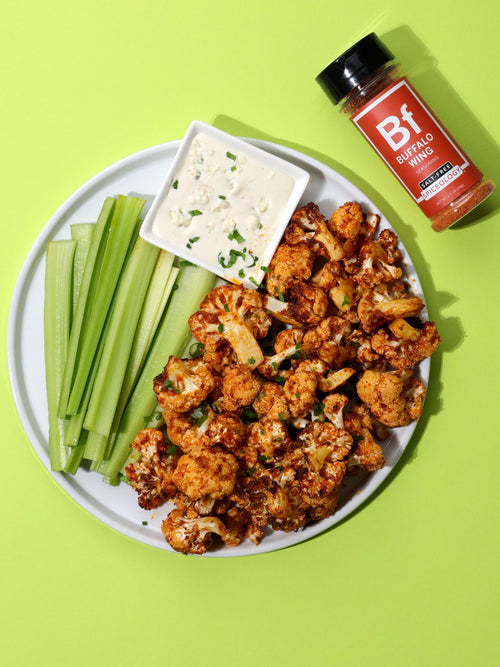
(354, 66)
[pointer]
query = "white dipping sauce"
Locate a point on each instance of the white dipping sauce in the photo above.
(223, 207)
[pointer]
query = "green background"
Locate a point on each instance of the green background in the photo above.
(412, 577)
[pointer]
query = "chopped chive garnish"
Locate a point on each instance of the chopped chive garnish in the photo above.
(231, 260)
(168, 384)
(235, 236)
(194, 212)
(252, 280)
(144, 523)
(222, 196)
(196, 350)
(175, 184)
(184, 262)
(231, 156)
(220, 327)
(266, 269)
(346, 300)
(233, 168)
(226, 308)
(241, 273)
(319, 408)
(251, 361)
(171, 450)
(255, 259)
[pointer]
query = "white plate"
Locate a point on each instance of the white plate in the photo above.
(142, 174)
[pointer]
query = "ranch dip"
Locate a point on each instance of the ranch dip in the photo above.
(223, 206)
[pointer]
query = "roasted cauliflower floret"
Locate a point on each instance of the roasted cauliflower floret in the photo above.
(227, 430)
(239, 388)
(366, 454)
(328, 341)
(341, 289)
(303, 305)
(300, 392)
(319, 455)
(288, 345)
(268, 439)
(308, 226)
(151, 475)
(333, 408)
(183, 384)
(395, 398)
(384, 303)
(347, 220)
(405, 346)
(271, 402)
(192, 534)
(235, 314)
(373, 265)
(288, 263)
(189, 430)
(206, 472)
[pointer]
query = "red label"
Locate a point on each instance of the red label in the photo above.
(414, 145)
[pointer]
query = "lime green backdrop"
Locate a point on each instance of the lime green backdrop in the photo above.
(412, 577)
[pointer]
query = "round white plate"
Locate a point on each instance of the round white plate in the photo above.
(141, 174)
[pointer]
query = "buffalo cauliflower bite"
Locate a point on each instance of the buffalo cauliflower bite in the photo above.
(347, 220)
(333, 408)
(268, 438)
(271, 402)
(395, 398)
(288, 345)
(235, 314)
(206, 472)
(303, 304)
(151, 475)
(183, 384)
(300, 392)
(373, 265)
(227, 430)
(240, 387)
(328, 341)
(319, 456)
(366, 454)
(384, 303)
(190, 533)
(188, 431)
(288, 263)
(405, 346)
(308, 226)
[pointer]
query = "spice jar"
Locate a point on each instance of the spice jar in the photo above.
(372, 91)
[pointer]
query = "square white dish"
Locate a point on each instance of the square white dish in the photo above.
(224, 204)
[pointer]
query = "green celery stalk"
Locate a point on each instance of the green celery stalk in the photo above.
(122, 229)
(95, 446)
(126, 310)
(57, 322)
(83, 233)
(86, 296)
(75, 456)
(173, 333)
(154, 306)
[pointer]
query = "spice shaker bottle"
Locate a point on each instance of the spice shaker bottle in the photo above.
(371, 89)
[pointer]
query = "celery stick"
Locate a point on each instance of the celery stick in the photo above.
(57, 322)
(122, 229)
(75, 456)
(82, 233)
(154, 306)
(125, 315)
(95, 447)
(85, 299)
(173, 333)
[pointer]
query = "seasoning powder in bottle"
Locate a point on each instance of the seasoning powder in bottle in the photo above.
(371, 89)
